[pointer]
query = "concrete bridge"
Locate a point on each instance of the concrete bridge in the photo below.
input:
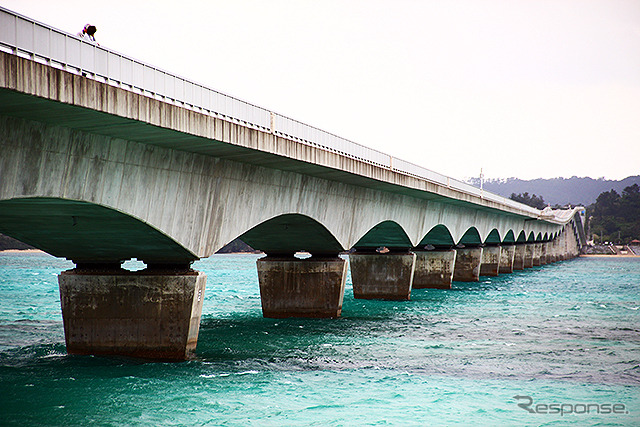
(104, 159)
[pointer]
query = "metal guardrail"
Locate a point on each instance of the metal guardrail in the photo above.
(40, 42)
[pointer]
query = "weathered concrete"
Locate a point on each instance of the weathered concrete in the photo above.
(467, 268)
(572, 245)
(537, 252)
(529, 254)
(291, 287)
(551, 252)
(490, 264)
(507, 256)
(382, 276)
(543, 253)
(556, 249)
(519, 256)
(132, 314)
(434, 269)
(560, 247)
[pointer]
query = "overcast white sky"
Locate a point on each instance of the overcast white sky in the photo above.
(524, 88)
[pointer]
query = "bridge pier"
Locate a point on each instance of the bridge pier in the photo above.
(154, 313)
(519, 256)
(507, 256)
(551, 252)
(564, 245)
(537, 252)
(386, 276)
(434, 269)
(555, 250)
(467, 268)
(293, 287)
(529, 254)
(490, 264)
(543, 253)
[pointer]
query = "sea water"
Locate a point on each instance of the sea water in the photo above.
(552, 345)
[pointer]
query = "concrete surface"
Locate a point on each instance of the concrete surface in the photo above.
(132, 314)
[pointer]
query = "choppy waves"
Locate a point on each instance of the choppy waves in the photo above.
(566, 331)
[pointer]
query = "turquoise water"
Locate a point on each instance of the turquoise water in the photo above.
(565, 334)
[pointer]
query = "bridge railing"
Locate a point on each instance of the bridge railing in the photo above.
(26, 37)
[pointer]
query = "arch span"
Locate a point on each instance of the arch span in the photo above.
(509, 237)
(471, 237)
(387, 233)
(493, 238)
(438, 236)
(289, 233)
(87, 232)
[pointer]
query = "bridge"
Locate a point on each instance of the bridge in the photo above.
(105, 158)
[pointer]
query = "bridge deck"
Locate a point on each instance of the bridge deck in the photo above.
(39, 92)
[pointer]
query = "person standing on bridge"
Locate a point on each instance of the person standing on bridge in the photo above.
(88, 33)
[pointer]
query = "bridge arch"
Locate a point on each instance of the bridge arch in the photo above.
(83, 231)
(438, 236)
(471, 237)
(389, 234)
(509, 237)
(493, 237)
(289, 233)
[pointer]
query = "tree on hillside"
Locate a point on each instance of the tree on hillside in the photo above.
(616, 217)
(533, 200)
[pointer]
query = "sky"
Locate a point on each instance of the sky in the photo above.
(517, 88)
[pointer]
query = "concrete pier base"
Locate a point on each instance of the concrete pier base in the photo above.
(554, 251)
(467, 268)
(382, 276)
(550, 254)
(292, 287)
(543, 253)
(528, 255)
(537, 252)
(155, 316)
(557, 255)
(490, 264)
(434, 269)
(519, 256)
(507, 256)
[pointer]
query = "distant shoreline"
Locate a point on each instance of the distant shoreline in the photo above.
(609, 256)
